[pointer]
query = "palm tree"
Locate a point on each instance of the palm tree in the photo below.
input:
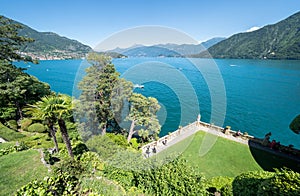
(54, 109)
(43, 110)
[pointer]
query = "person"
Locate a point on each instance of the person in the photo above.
(164, 142)
(238, 133)
(148, 151)
(266, 140)
(268, 135)
(154, 149)
(272, 144)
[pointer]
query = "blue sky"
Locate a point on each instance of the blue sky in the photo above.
(91, 21)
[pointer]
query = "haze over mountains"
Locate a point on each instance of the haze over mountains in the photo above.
(277, 41)
(167, 50)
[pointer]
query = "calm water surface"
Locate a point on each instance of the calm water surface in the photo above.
(261, 95)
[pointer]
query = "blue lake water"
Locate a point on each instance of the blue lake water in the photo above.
(256, 96)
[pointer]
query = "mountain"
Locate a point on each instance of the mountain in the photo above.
(166, 50)
(49, 45)
(277, 41)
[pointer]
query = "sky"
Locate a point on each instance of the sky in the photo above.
(92, 21)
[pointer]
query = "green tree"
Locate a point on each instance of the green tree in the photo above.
(102, 96)
(54, 109)
(10, 41)
(295, 125)
(142, 114)
(16, 87)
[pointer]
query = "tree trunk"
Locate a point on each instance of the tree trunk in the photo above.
(53, 134)
(65, 136)
(103, 130)
(131, 131)
(19, 111)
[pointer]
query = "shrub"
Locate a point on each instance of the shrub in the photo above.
(248, 183)
(91, 161)
(79, 148)
(25, 124)
(9, 134)
(101, 186)
(134, 143)
(284, 182)
(60, 184)
(226, 190)
(12, 124)
(16, 148)
(118, 139)
(48, 157)
(221, 184)
(37, 127)
(173, 178)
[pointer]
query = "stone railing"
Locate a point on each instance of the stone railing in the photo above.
(167, 138)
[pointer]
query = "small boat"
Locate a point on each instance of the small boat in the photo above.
(138, 86)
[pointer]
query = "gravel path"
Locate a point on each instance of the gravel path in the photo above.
(2, 140)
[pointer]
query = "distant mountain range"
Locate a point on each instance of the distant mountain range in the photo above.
(48, 45)
(277, 41)
(166, 50)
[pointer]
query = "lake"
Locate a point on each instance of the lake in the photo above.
(254, 96)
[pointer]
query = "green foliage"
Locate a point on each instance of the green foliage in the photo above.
(38, 140)
(9, 134)
(118, 139)
(37, 127)
(100, 112)
(18, 89)
(60, 184)
(91, 162)
(142, 113)
(226, 190)
(12, 124)
(25, 123)
(221, 184)
(173, 178)
(101, 186)
(284, 182)
(52, 109)
(295, 125)
(10, 40)
(104, 146)
(249, 183)
(134, 143)
(7, 111)
(15, 148)
(70, 167)
(48, 157)
(79, 148)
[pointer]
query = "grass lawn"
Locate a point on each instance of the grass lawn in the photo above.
(17, 169)
(225, 158)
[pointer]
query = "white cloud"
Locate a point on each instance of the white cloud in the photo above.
(252, 29)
